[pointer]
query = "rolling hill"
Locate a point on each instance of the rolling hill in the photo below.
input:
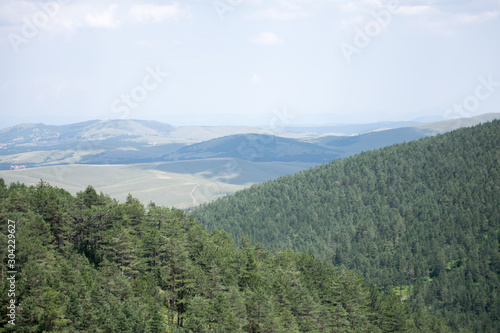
(141, 141)
(256, 147)
(141, 151)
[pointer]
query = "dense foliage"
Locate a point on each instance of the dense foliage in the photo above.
(91, 264)
(420, 218)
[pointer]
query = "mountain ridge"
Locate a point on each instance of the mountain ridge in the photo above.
(126, 141)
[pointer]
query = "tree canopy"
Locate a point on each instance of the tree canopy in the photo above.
(419, 219)
(88, 263)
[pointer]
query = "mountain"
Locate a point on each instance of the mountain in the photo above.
(153, 158)
(352, 129)
(124, 130)
(140, 141)
(87, 263)
(102, 142)
(436, 124)
(418, 218)
(349, 145)
(256, 147)
(453, 124)
(47, 135)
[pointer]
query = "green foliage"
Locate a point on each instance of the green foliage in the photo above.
(421, 218)
(90, 264)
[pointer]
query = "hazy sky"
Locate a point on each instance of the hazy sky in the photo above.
(243, 61)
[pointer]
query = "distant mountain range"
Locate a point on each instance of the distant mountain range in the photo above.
(185, 166)
(142, 141)
(256, 147)
(143, 131)
(352, 129)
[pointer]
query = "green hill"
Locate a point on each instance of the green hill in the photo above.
(420, 219)
(87, 263)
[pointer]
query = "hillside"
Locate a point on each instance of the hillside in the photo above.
(86, 263)
(349, 145)
(256, 147)
(419, 218)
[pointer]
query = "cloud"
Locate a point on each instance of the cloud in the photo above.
(436, 17)
(266, 38)
(15, 13)
(275, 14)
(104, 19)
(413, 10)
(281, 10)
(477, 18)
(68, 16)
(157, 13)
(450, 23)
(357, 5)
(255, 79)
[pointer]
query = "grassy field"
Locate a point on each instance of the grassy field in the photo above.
(180, 184)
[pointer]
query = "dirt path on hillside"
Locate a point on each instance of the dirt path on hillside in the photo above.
(191, 194)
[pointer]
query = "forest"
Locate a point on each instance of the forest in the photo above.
(420, 220)
(88, 263)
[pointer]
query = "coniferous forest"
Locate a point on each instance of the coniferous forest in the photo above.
(420, 220)
(87, 263)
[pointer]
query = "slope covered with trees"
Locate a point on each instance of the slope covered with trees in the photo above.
(421, 219)
(91, 264)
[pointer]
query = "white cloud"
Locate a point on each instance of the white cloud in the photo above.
(357, 5)
(275, 14)
(103, 19)
(155, 13)
(477, 18)
(413, 10)
(266, 38)
(374, 3)
(349, 7)
(282, 10)
(68, 16)
(450, 23)
(255, 79)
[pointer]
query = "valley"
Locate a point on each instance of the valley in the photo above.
(160, 162)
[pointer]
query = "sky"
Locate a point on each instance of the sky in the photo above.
(248, 62)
